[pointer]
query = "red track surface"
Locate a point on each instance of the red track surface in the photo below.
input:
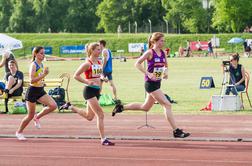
(56, 151)
(65, 152)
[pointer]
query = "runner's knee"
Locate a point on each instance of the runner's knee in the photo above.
(90, 118)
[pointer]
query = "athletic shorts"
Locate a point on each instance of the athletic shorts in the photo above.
(108, 75)
(34, 93)
(90, 92)
(151, 86)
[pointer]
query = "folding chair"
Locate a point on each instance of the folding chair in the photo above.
(247, 78)
(66, 76)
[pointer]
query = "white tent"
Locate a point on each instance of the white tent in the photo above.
(8, 43)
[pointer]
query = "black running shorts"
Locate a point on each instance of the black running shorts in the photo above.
(34, 93)
(151, 86)
(90, 92)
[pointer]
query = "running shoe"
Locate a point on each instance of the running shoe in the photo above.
(179, 133)
(36, 122)
(20, 136)
(65, 106)
(118, 108)
(106, 142)
(117, 101)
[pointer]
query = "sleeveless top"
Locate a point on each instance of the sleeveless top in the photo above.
(156, 66)
(94, 71)
(39, 71)
(108, 67)
(235, 74)
(11, 57)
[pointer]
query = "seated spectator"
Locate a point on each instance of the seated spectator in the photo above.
(246, 30)
(237, 76)
(167, 51)
(198, 45)
(6, 57)
(14, 82)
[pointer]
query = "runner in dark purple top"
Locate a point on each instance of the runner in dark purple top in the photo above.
(156, 71)
(156, 65)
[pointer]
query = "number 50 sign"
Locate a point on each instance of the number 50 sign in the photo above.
(207, 83)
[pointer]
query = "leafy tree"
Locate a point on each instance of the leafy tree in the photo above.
(5, 13)
(81, 16)
(113, 13)
(57, 14)
(42, 17)
(187, 15)
(232, 15)
(21, 17)
(148, 9)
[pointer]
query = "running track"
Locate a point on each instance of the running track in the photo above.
(213, 141)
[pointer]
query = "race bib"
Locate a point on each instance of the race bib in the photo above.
(96, 70)
(158, 71)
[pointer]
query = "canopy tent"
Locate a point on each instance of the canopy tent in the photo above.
(8, 43)
(234, 41)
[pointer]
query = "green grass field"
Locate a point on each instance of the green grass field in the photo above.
(116, 42)
(182, 85)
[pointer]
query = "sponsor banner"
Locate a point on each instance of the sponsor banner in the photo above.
(199, 46)
(137, 47)
(72, 49)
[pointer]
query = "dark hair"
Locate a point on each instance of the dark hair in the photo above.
(154, 38)
(13, 62)
(35, 51)
(103, 42)
(236, 57)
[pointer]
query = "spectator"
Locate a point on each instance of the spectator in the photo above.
(247, 48)
(250, 29)
(246, 30)
(7, 56)
(188, 49)
(14, 85)
(210, 48)
(198, 45)
(167, 51)
(237, 75)
(181, 51)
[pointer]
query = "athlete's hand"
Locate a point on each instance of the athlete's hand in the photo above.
(151, 76)
(104, 78)
(46, 71)
(11, 91)
(165, 76)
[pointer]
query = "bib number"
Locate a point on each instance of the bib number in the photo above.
(96, 70)
(158, 72)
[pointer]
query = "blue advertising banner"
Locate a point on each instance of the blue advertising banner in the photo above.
(72, 49)
(48, 50)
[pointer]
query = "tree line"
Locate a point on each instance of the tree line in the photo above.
(89, 16)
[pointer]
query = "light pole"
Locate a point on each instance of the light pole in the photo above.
(129, 26)
(205, 4)
(135, 27)
(166, 22)
(150, 25)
